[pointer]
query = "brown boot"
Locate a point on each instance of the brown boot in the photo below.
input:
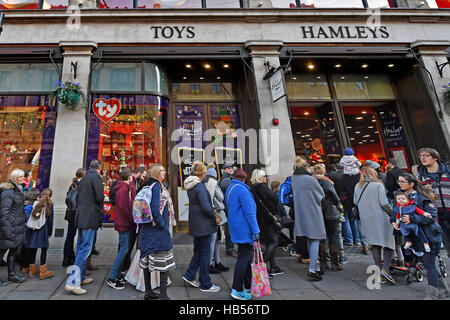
(44, 273)
(89, 265)
(32, 270)
(334, 255)
(323, 258)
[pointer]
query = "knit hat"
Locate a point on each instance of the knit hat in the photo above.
(372, 164)
(212, 172)
(348, 152)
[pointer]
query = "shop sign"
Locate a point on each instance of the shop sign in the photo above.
(344, 32)
(106, 110)
(186, 158)
(173, 32)
(277, 86)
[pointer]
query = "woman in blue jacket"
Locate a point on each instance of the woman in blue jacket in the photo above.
(424, 199)
(244, 230)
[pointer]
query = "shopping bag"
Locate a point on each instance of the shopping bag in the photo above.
(260, 277)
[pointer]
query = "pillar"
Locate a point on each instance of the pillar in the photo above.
(260, 52)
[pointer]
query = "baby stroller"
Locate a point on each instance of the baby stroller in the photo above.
(415, 269)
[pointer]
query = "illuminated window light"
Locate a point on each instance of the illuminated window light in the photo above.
(294, 78)
(338, 65)
(306, 113)
(188, 66)
(201, 78)
(226, 66)
(364, 66)
(391, 65)
(366, 77)
(364, 112)
(218, 78)
(349, 127)
(359, 118)
(357, 131)
(342, 78)
(184, 78)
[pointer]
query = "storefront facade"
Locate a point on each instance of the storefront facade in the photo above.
(175, 74)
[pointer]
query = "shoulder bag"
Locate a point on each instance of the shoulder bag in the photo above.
(355, 210)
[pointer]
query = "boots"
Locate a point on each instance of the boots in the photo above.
(432, 293)
(32, 270)
(89, 265)
(12, 275)
(323, 258)
(334, 255)
(443, 285)
(44, 273)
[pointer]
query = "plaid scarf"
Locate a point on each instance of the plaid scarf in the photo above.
(167, 200)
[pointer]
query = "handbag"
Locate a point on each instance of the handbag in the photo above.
(276, 222)
(355, 210)
(37, 223)
(260, 277)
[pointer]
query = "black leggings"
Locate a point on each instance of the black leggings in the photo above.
(31, 255)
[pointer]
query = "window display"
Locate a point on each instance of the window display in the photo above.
(27, 133)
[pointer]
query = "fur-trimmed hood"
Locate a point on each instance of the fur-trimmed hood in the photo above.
(6, 186)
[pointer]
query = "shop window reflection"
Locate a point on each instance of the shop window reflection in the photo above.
(14, 4)
(306, 86)
(360, 86)
(332, 4)
(115, 4)
(284, 3)
(55, 4)
(223, 4)
(163, 4)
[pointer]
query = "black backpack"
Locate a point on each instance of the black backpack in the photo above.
(112, 193)
(71, 198)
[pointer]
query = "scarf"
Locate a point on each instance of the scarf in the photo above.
(301, 171)
(167, 200)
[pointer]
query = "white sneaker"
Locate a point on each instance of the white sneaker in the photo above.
(212, 289)
(75, 290)
(193, 283)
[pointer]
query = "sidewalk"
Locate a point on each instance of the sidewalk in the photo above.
(349, 284)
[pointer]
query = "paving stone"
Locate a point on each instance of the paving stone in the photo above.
(28, 295)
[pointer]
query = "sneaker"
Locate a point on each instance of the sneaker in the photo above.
(381, 280)
(221, 267)
(365, 250)
(314, 276)
(87, 281)
(387, 276)
(427, 247)
(115, 284)
(213, 270)
(75, 290)
(348, 244)
(240, 295)
(344, 260)
(249, 291)
(212, 289)
(121, 279)
(193, 283)
(358, 244)
(276, 271)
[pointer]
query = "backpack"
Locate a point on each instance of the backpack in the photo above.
(142, 212)
(286, 197)
(71, 199)
(112, 193)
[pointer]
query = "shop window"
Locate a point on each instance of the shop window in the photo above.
(223, 4)
(115, 4)
(203, 91)
(356, 86)
(162, 4)
(55, 4)
(117, 77)
(156, 79)
(378, 4)
(306, 86)
(332, 4)
(14, 4)
(284, 3)
(27, 133)
(27, 77)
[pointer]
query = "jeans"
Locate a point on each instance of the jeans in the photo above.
(214, 249)
(429, 262)
(313, 247)
(350, 228)
(242, 278)
(271, 243)
(69, 242)
(124, 238)
(131, 242)
(84, 247)
(200, 260)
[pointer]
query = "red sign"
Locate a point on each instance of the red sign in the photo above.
(106, 110)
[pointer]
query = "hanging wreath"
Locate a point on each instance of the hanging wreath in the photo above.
(69, 94)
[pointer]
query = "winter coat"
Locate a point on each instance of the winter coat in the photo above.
(391, 181)
(349, 185)
(217, 197)
(12, 216)
(70, 214)
(270, 201)
(90, 199)
(155, 238)
(350, 164)
(330, 201)
(39, 238)
(123, 218)
(308, 195)
(375, 212)
(225, 182)
(242, 222)
(382, 176)
(336, 177)
(202, 219)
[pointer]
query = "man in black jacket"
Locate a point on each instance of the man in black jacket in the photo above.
(88, 219)
(392, 177)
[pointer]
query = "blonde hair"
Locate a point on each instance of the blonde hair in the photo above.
(198, 168)
(370, 173)
(319, 169)
(257, 175)
(300, 163)
(211, 166)
(153, 170)
(16, 173)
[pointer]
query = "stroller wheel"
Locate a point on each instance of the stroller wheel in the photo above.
(285, 248)
(419, 275)
(292, 251)
(442, 269)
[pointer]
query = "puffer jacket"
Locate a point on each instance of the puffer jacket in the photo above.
(331, 199)
(12, 216)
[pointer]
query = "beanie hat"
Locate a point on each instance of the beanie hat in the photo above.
(348, 152)
(211, 172)
(372, 164)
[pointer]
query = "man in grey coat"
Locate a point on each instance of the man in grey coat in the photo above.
(88, 219)
(308, 195)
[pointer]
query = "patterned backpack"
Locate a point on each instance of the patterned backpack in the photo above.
(142, 212)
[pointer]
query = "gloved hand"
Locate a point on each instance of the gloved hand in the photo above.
(257, 237)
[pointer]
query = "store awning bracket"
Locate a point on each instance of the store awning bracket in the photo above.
(441, 67)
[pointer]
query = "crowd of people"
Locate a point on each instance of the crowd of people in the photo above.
(394, 214)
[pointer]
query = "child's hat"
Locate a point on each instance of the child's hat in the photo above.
(348, 152)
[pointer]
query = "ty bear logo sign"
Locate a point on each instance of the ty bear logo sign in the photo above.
(106, 110)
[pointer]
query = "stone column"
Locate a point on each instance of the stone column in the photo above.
(262, 51)
(430, 53)
(70, 132)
